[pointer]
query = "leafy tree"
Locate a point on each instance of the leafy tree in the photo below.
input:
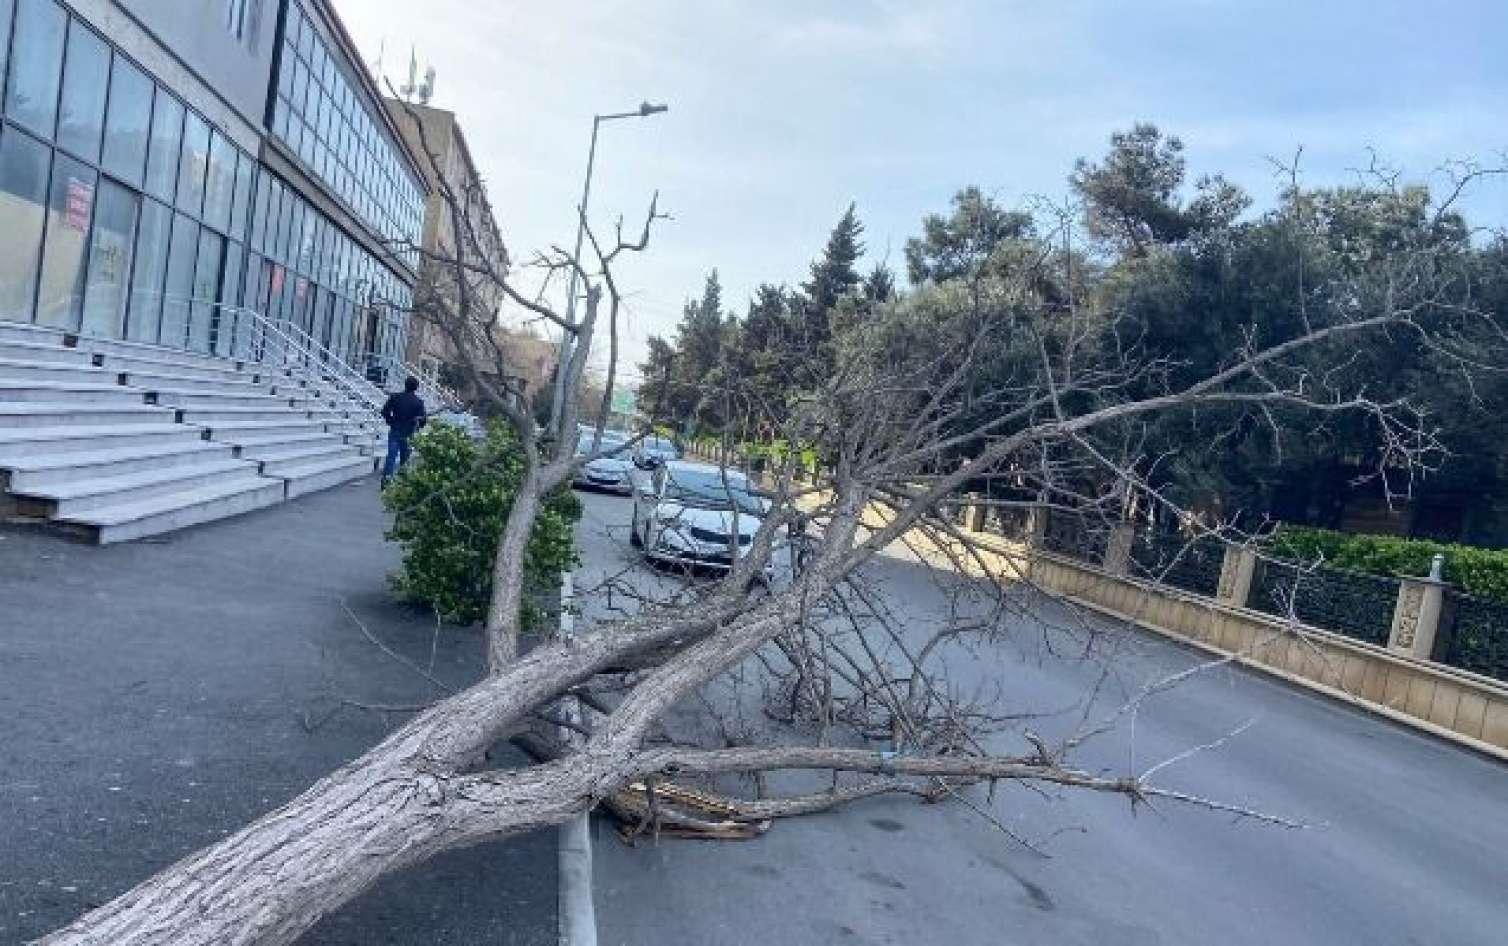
(962, 243)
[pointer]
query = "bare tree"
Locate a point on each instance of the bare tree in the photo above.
(1001, 378)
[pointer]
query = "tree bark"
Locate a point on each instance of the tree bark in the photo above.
(502, 623)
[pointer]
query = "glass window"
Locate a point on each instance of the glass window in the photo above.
(179, 289)
(300, 87)
(232, 323)
(151, 266)
(6, 9)
(194, 164)
(204, 313)
(128, 122)
(306, 38)
(31, 96)
(280, 119)
(70, 210)
(245, 171)
(220, 185)
(23, 187)
(110, 261)
(260, 213)
(167, 139)
(85, 81)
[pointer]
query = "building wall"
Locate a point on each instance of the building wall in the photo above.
(436, 136)
(138, 200)
(203, 35)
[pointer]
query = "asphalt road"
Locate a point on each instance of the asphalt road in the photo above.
(1407, 837)
(155, 696)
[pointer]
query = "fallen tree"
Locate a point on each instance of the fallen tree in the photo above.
(1010, 373)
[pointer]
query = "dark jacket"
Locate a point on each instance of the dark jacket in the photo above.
(404, 413)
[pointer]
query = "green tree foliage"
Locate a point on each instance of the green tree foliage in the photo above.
(1175, 280)
(449, 507)
(961, 244)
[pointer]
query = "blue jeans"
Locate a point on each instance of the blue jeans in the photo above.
(397, 455)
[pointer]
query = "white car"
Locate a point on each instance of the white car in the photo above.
(694, 514)
(610, 472)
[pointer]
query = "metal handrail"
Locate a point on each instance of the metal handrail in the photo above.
(264, 341)
(430, 387)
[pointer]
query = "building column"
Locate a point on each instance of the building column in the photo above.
(1118, 548)
(1416, 617)
(1237, 571)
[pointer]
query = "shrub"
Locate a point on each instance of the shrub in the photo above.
(449, 508)
(1477, 571)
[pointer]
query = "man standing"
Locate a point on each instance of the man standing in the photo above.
(404, 413)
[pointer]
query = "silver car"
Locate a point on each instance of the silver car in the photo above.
(694, 514)
(611, 472)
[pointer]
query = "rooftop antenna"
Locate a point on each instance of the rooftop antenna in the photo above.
(411, 87)
(427, 87)
(381, 53)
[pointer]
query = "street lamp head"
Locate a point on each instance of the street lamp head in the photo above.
(647, 109)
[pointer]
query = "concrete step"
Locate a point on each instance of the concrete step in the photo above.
(316, 475)
(275, 461)
(22, 443)
(238, 432)
(45, 352)
(85, 373)
(261, 448)
(210, 416)
(22, 332)
(66, 500)
(42, 470)
(129, 364)
(63, 414)
(165, 513)
(164, 379)
(71, 392)
(329, 415)
(158, 353)
(236, 396)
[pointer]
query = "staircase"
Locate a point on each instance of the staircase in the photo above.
(115, 440)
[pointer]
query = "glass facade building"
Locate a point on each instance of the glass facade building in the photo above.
(126, 212)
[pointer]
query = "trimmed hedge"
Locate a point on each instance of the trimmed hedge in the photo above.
(1479, 572)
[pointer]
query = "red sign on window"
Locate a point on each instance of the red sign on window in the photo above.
(80, 204)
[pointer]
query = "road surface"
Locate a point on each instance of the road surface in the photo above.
(1407, 844)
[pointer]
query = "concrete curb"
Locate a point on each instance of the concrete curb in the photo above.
(577, 908)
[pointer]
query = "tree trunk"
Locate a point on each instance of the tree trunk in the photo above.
(502, 625)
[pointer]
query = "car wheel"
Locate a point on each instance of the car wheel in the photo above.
(633, 535)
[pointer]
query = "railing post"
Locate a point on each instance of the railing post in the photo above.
(1416, 617)
(1117, 559)
(1238, 570)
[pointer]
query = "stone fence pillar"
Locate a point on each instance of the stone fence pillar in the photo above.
(1036, 526)
(1237, 571)
(977, 510)
(1118, 548)
(1416, 617)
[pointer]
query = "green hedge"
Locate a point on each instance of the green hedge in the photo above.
(449, 508)
(1476, 571)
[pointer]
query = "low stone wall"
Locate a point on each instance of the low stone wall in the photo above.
(1449, 702)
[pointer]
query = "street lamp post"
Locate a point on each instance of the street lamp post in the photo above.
(556, 406)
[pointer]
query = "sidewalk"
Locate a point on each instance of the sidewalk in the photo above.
(156, 696)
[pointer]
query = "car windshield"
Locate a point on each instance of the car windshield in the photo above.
(610, 442)
(708, 488)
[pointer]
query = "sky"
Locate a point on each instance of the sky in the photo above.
(782, 112)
